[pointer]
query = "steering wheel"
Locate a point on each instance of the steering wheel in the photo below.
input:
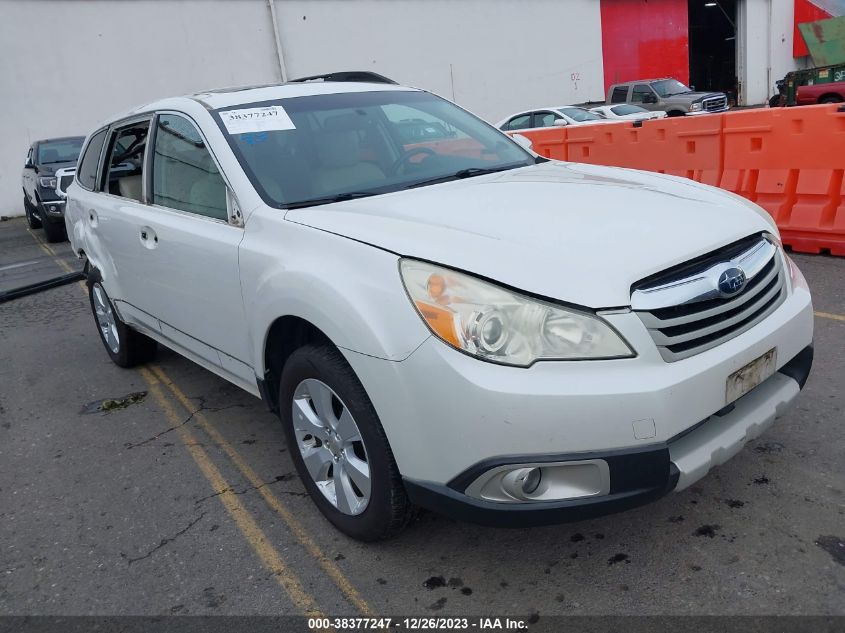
(404, 158)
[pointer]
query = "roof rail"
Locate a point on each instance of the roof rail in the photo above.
(362, 76)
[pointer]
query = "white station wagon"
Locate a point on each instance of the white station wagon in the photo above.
(441, 318)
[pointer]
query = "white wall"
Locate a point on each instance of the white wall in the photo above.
(88, 60)
(491, 56)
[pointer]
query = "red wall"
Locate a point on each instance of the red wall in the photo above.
(642, 39)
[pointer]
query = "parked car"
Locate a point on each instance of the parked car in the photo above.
(43, 203)
(667, 95)
(495, 336)
(833, 92)
(547, 117)
(627, 112)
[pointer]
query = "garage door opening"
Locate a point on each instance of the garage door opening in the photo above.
(712, 46)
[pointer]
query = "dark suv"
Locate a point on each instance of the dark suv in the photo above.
(47, 172)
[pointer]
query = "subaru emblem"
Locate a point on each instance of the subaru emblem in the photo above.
(731, 281)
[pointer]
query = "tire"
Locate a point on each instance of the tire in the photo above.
(674, 113)
(125, 346)
(55, 231)
(31, 221)
(831, 99)
(307, 374)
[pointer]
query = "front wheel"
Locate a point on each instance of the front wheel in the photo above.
(125, 346)
(339, 447)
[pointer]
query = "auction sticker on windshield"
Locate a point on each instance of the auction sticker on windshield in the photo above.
(267, 119)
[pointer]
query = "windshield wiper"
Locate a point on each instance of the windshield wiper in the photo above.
(469, 172)
(341, 197)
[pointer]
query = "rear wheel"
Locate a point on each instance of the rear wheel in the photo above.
(831, 99)
(125, 346)
(339, 447)
(31, 220)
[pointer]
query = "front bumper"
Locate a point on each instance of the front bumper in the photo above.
(638, 476)
(51, 210)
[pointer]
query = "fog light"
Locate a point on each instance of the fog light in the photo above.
(545, 481)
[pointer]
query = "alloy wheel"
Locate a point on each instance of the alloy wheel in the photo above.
(331, 446)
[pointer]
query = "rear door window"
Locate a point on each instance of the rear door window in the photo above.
(185, 176)
(87, 173)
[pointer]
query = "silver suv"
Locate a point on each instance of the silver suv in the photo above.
(668, 95)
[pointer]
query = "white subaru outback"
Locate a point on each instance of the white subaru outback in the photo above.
(440, 317)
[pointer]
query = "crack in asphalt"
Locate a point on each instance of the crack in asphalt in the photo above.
(164, 541)
(276, 480)
(202, 407)
(164, 432)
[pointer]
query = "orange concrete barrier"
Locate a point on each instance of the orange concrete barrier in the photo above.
(790, 161)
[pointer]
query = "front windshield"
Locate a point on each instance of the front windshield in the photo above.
(64, 151)
(345, 145)
(622, 110)
(669, 87)
(579, 115)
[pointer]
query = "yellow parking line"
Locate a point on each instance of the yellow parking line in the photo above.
(830, 315)
(51, 253)
(241, 516)
(287, 516)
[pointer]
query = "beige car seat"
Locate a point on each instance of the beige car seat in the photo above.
(340, 167)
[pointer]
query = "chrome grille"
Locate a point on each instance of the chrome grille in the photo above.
(686, 313)
(715, 103)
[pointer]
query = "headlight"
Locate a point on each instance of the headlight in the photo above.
(503, 326)
(48, 182)
(695, 107)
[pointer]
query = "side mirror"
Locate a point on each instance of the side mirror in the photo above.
(28, 164)
(560, 122)
(523, 142)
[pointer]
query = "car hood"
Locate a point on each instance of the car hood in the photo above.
(573, 232)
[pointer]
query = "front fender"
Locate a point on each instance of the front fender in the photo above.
(350, 291)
